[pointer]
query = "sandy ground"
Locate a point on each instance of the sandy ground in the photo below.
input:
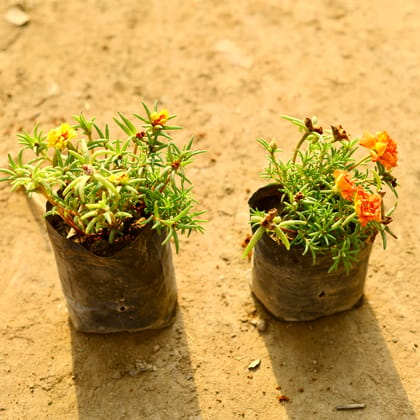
(228, 69)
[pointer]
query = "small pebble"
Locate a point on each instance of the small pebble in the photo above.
(16, 16)
(116, 375)
(254, 364)
(261, 325)
(133, 372)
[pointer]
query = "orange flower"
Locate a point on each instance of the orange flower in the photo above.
(344, 185)
(159, 118)
(382, 148)
(367, 206)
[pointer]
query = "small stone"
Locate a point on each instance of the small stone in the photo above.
(156, 348)
(133, 372)
(395, 340)
(16, 16)
(261, 325)
(141, 366)
(116, 375)
(254, 364)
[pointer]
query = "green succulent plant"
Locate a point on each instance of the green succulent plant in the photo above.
(330, 202)
(102, 187)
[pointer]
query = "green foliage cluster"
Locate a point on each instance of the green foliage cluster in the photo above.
(312, 214)
(100, 186)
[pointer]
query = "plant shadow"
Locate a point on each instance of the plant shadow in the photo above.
(145, 375)
(334, 361)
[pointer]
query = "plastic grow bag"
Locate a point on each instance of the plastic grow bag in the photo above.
(131, 290)
(290, 286)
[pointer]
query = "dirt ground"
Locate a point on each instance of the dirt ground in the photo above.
(228, 69)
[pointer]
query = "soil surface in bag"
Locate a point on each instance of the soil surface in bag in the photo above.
(132, 290)
(290, 286)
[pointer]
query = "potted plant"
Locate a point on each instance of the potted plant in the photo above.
(112, 207)
(314, 224)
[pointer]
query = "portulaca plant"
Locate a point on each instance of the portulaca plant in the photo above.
(331, 202)
(107, 188)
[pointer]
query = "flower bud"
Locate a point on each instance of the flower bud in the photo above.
(273, 146)
(88, 169)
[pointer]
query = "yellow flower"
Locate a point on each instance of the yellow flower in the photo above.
(121, 178)
(60, 136)
(159, 118)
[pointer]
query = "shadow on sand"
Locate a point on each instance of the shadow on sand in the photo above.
(134, 376)
(333, 361)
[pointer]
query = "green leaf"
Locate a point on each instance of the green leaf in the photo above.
(146, 109)
(125, 125)
(141, 118)
(280, 235)
(258, 234)
(71, 186)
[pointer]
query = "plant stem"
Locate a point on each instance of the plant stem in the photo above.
(349, 219)
(355, 165)
(168, 178)
(299, 145)
(60, 210)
